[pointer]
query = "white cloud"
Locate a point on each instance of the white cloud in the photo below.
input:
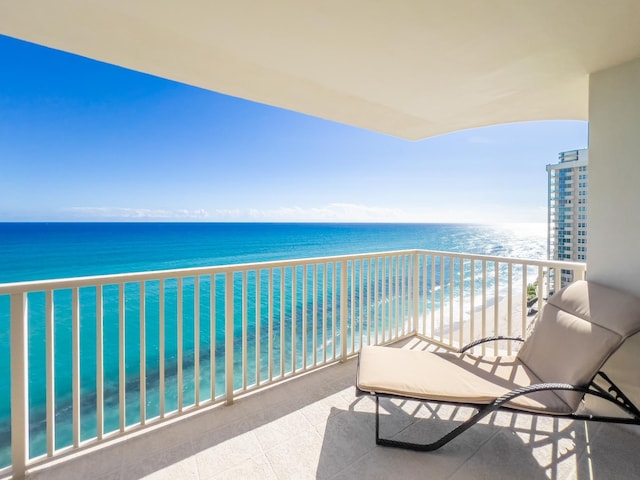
(120, 213)
(335, 212)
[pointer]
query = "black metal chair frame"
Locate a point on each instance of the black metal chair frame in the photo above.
(611, 394)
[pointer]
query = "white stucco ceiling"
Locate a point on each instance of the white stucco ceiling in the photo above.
(409, 68)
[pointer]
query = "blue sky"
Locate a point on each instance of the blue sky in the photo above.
(81, 140)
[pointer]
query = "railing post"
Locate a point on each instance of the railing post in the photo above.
(415, 274)
(344, 310)
(19, 385)
(229, 336)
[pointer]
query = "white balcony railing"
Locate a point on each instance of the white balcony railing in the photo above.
(97, 357)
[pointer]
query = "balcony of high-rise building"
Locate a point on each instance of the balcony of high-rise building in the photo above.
(406, 68)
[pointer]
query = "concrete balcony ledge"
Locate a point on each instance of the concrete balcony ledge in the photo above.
(314, 426)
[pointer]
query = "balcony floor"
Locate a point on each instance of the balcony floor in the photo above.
(315, 427)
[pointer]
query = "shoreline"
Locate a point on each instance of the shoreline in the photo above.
(475, 318)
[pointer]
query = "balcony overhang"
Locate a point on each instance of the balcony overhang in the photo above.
(412, 68)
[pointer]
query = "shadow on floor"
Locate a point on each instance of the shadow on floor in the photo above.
(504, 446)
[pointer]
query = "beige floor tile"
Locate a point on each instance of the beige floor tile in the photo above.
(386, 463)
(100, 462)
(175, 462)
(218, 451)
(182, 470)
(61, 472)
(611, 453)
(318, 413)
(257, 467)
(297, 459)
(282, 429)
(502, 457)
(345, 438)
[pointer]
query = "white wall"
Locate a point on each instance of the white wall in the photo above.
(614, 177)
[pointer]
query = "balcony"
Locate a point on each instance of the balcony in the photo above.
(272, 347)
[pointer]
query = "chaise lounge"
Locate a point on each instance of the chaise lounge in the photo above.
(579, 361)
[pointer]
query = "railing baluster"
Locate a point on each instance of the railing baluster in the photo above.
(425, 293)
(390, 312)
(19, 384)
(229, 337)
(143, 356)
(496, 305)
(334, 316)
(441, 285)
(344, 305)
(376, 300)
(509, 306)
(406, 292)
(352, 318)
(99, 363)
(402, 285)
(451, 282)
(270, 288)
(196, 339)
(524, 301)
(540, 287)
(314, 303)
(472, 300)
(398, 294)
(387, 284)
(433, 296)
(258, 325)
(305, 277)
(484, 305)
(371, 279)
(415, 272)
(361, 304)
(386, 297)
(283, 309)
(294, 319)
(121, 356)
(75, 365)
(50, 356)
(461, 314)
(245, 352)
(325, 336)
(212, 337)
(161, 350)
(180, 342)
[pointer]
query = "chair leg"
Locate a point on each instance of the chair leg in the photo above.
(428, 447)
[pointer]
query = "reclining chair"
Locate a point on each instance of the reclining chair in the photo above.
(579, 361)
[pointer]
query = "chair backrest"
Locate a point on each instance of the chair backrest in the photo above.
(579, 328)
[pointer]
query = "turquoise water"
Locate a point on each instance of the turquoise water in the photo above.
(34, 251)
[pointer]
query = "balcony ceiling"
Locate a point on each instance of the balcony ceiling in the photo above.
(409, 68)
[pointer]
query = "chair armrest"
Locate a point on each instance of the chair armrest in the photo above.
(488, 339)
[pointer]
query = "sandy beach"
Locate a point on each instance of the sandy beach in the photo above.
(497, 321)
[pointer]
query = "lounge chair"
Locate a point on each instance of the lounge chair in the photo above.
(578, 359)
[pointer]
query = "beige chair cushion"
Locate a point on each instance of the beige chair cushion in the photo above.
(451, 377)
(612, 309)
(579, 329)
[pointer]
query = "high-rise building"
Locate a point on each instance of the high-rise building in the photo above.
(567, 214)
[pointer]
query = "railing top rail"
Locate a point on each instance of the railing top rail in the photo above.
(513, 260)
(111, 279)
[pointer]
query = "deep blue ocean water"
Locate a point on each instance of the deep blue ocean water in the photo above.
(36, 251)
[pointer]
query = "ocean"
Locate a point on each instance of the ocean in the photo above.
(39, 251)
